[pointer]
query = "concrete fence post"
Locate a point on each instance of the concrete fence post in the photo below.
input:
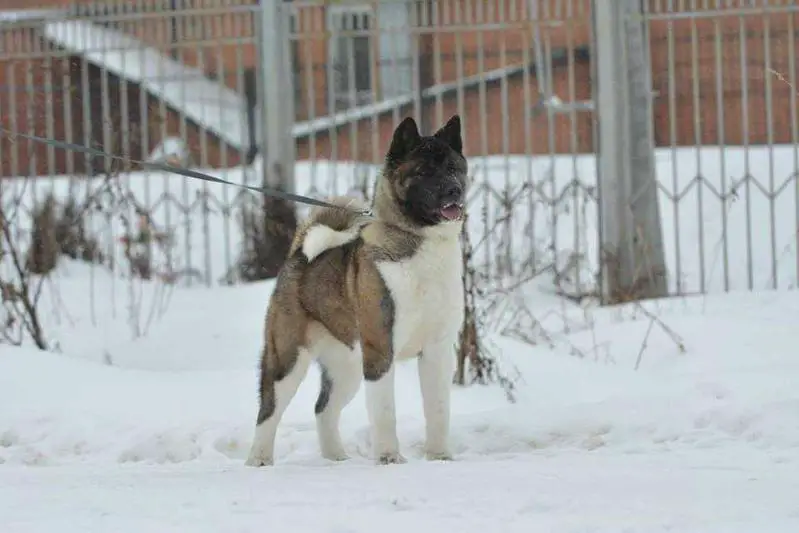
(632, 258)
(276, 96)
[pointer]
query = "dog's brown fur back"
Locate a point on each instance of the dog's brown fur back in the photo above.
(341, 290)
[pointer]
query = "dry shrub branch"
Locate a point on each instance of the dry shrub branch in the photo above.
(27, 258)
(511, 305)
(476, 362)
(267, 227)
(38, 231)
(19, 289)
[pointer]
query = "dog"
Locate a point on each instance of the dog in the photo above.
(359, 294)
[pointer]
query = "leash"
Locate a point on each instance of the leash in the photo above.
(276, 193)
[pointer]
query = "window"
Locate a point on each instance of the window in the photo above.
(396, 59)
(358, 46)
(350, 72)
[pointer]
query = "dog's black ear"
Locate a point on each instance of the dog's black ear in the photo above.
(406, 138)
(450, 133)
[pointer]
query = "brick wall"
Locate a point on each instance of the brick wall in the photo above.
(504, 39)
(720, 90)
(488, 128)
(734, 98)
(42, 93)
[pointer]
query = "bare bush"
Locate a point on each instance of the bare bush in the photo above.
(59, 229)
(566, 278)
(266, 236)
(72, 236)
(43, 252)
(20, 287)
(474, 359)
(29, 257)
(138, 245)
(141, 239)
(575, 313)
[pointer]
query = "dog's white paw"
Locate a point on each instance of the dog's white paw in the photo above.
(442, 455)
(337, 456)
(258, 461)
(393, 458)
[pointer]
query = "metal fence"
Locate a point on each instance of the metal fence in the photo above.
(725, 118)
(518, 75)
(182, 80)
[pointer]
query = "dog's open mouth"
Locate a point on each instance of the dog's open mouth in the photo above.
(451, 211)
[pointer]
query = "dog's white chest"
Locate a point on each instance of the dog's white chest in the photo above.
(427, 290)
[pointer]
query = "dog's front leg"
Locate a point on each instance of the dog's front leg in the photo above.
(379, 377)
(436, 367)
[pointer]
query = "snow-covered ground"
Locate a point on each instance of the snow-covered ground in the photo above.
(142, 417)
(117, 435)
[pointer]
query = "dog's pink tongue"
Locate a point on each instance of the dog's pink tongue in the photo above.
(451, 212)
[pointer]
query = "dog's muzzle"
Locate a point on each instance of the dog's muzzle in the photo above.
(451, 202)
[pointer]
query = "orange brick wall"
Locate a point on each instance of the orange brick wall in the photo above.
(711, 70)
(468, 38)
(488, 129)
(28, 106)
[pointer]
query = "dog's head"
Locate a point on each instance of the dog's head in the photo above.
(426, 176)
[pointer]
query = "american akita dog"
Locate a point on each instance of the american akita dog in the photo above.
(359, 294)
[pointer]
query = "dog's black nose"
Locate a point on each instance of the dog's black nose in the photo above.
(452, 191)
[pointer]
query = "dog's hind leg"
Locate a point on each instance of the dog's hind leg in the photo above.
(342, 371)
(278, 387)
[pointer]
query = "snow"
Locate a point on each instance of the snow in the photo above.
(573, 493)
(114, 434)
(12, 16)
(142, 416)
(171, 149)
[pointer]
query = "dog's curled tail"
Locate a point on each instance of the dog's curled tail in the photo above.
(328, 227)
